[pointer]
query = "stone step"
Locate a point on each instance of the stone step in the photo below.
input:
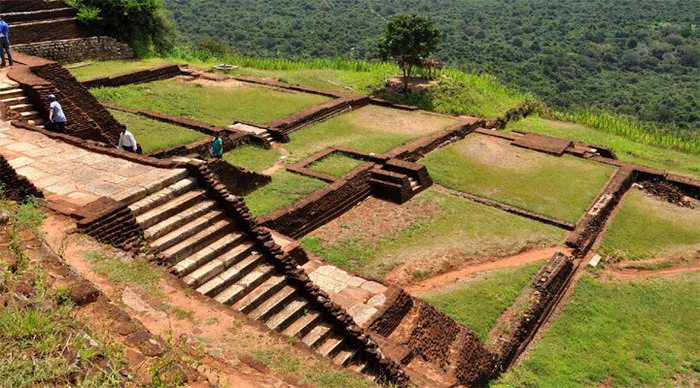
(10, 86)
(345, 356)
(359, 367)
(30, 115)
(242, 287)
(273, 304)
(186, 231)
(223, 280)
(303, 325)
(15, 17)
(14, 100)
(11, 92)
(221, 253)
(22, 107)
(292, 311)
(163, 195)
(260, 294)
(331, 346)
(144, 189)
(170, 208)
(37, 122)
(198, 241)
(215, 267)
(317, 335)
(168, 225)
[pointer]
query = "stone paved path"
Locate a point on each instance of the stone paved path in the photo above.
(70, 173)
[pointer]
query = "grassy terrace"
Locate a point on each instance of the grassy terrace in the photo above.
(560, 187)
(625, 149)
(638, 333)
(217, 104)
(371, 129)
(646, 227)
(285, 189)
(252, 157)
(98, 69)
(154, 135)
(480, 299)
(432, 233)
(336, 165)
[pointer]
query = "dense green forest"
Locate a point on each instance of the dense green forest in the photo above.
(635, 57)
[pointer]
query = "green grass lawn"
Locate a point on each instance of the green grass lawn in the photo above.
(336, 164)
(215, 105)
(285, 189)
(480, 299)
(625, 149)
(441, 233)
(371, 129)
(252, 157)
(638, 333)
(115, 67)
(646, 227)
(560, 187)
(154, 135)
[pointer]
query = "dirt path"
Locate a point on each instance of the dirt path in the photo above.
(279, 164)
(630, 270)
(447, 279)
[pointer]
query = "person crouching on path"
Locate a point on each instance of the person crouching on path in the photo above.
(217, 147)
(127, 142)
(5, 42)
(57, 119)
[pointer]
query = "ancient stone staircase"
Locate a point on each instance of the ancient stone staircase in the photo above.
(399, 180)
(14, 98)
(262, 132)
(211, 254)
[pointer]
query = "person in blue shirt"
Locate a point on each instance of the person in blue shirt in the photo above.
(5, 42)
(57, 119)
(217, 147)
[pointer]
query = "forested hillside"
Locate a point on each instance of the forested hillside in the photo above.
(636, 57)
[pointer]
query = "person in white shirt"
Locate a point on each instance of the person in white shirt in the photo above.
(127, 141)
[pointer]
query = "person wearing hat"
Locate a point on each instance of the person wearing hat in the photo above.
(57, 119)
(127, 141)
(5, 42)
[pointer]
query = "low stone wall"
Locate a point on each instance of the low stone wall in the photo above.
(398, 304)
(135, 77)
(48, 30)
(78, 50)
(322, 206)
(237, 180)
(550, 145)
(591, 224)
(418, 148)
(110, 222)
(14, 186)
(317, 113)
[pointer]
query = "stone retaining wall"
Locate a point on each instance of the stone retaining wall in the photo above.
(13, 186)
(398, 304)
(418, 148)
(110, 222)
(78, 50)
(135, 77)
(48, 31)
(237, 180)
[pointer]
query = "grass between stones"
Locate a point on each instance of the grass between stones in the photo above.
(252, 158)
(447, 232)
(370, 129)
(336, 165)
(646, 227)
(285, 189)
(625, 149)
(109, 68)
(217, 105)
(125, 271)
(560, 187)
(480, 299)
(154, 135)
(638, 333)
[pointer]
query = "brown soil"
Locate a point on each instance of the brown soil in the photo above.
(387, 218)
(202, 324)
(399, 121)
(640, 269)
(395, 85)
(494, 152)
(280, 163)
(445, 280)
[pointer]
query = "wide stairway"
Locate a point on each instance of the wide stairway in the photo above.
(209, 252)
(13, 97)
(41, 21)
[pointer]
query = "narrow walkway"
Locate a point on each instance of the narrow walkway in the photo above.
(72, 174)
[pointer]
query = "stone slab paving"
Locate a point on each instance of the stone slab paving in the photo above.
(360, 297)
(70, 173)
